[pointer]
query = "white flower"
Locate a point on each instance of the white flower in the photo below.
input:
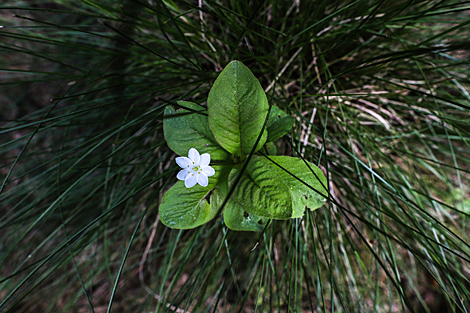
(195, 168)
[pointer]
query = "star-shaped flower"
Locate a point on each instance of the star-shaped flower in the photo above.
(195, 168)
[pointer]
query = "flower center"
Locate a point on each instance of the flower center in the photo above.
(196, 168)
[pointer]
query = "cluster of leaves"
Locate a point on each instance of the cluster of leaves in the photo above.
(231, 131)
(380, 94)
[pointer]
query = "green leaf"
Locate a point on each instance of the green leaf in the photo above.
(274, 115)
(280, 127)
(235, 217)
(185, 129)
(270, 148)
(301, 194)
(237, 108)
(238, 219)
(185, 208)
(261, 190)
(265, 189)
(279, 123)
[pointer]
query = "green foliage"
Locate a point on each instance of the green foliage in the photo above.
(280, 128)
(279, 124)
(235, 216)
(261, 191)
(305, 182)
(188, 129)
(185, 208)
(279, 187)
(380, 96)
(237, 108)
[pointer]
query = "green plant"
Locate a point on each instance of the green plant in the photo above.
(247, 186)
(379, 91)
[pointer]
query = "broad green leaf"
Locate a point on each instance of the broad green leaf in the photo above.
(238, 219)
(234, 216)
(261, 190)
(301, 194)
(185, 208)
(266, 189)
(185, 129)
(279, 123)
(237, 108)
(270, 148)
(280, 127)
(274, 115)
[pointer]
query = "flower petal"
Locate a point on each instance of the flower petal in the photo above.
(182, 174)
(208, 170)
(184, 162)
(190, 181)
(194, 156)
(202, 179)
(205, 159)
